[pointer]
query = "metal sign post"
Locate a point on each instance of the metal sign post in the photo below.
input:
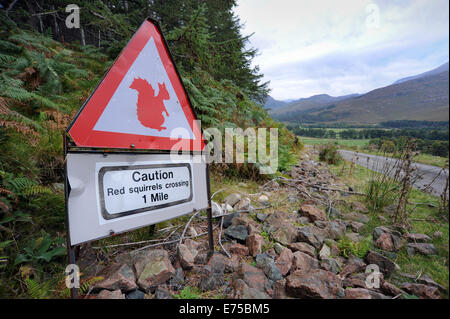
(70, 248)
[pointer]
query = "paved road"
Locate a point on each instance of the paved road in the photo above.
(425, 173)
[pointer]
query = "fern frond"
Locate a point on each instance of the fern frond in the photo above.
(36, 190)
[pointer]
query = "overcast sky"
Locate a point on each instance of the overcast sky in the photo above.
(310, 47)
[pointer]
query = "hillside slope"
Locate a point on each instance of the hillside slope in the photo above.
(422, 98)
(315, 102)
(442, 68)
(271, 103)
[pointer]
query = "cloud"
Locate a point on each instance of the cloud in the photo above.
(314, 47)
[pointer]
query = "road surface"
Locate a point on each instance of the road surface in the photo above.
(426, 173)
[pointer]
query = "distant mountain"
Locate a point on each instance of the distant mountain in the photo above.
(271, 103)
(442, 68)
(422, 97)
(312, 103)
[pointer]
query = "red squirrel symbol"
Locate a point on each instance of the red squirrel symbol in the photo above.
(150, 108)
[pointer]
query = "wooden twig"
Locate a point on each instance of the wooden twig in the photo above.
(187, 225)
(220, 238)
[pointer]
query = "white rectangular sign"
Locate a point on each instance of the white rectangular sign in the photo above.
(114, 193)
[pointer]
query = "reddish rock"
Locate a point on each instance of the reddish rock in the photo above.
(361, 293)
(354, 281)
(285, 235)
(422, 291)
(390, 289)
(357, 293)
(284, 261)
(253, 277)
(232, 264)
(303, 263)
(280, 229)
(106, 294)
(117, 277)
(356, 226)
(353, 265)
(279, 289)
(304, 248)
(192, 244)
(153, 268)
(185, 256)
(316, 284)
(239, 249)
(243, 291)
(386, 265)
(254, 243)
(384, 242)
(312, 212)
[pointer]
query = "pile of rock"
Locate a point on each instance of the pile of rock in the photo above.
(276, 255)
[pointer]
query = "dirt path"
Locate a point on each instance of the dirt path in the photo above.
(428, 173)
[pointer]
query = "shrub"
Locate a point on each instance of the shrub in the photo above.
(329, 154)
(380, 193)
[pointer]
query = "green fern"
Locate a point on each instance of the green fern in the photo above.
(38, 290)
(85, 286)
(37, 190)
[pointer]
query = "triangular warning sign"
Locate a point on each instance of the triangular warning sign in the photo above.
(140, 103)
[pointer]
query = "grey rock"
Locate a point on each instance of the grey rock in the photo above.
(177, 281)
(330, 265)
(261, 217)
(232, 199)
(325, 252)
(312, 235)
(135, 294)
(278, 248)
(423, 248)
(336, 229)
(215, 273)
(417, 238)
(303, 220)
(227, 220)
(357, 217)
(264, 200)
(237, 232)
(244, 205)
(162, 293)
(267, 264)
(354, 237)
